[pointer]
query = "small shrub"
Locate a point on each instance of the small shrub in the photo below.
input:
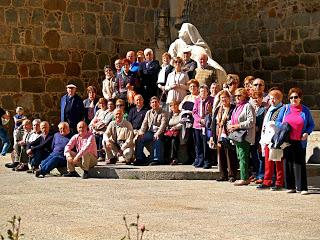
(14, 232)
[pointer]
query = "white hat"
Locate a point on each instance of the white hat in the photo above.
(186, 49)
(71, 86)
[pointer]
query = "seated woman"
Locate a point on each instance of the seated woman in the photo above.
(100, 123)
(172, 134)
(90, 104)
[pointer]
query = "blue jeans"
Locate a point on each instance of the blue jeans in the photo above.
(257, 161)
(157, 146)
(54, 160)
(37, 157)
(5, 140)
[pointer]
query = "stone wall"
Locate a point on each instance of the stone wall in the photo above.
(45, 44)
(277, 40)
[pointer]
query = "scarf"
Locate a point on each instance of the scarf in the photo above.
(237, 111)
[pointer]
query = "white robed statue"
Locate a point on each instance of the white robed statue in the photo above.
(189, 37)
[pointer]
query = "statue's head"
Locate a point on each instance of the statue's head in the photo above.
(184, 32)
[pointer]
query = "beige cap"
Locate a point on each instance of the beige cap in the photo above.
(71, 86)
(186, 49)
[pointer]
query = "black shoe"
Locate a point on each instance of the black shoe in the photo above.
(154, 163)
(222, 179)
(71, 174)
(12, 165)
(85, 175)
(206, 166)
(22, 167)
(262, 186)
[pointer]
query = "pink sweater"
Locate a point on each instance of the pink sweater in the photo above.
(85, 144)
(295, 121)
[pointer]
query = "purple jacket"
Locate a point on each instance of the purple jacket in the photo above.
(196, 110)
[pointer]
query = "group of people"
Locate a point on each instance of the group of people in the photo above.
(178, 106)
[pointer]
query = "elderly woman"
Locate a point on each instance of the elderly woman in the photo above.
(90, 104)
(243, 118)
(108, 84)
(172, 134)
(202, 107)
(232, 83)
(247, 84)
(227, 157)
(298, 116)
(100, 123)
(177, 83)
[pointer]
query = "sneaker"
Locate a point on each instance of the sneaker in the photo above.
(291, 191)
(276, 188)
(241, 182)
(71, 174)
(85, 175)
(12, 165)
(304, 192)
(262, 187)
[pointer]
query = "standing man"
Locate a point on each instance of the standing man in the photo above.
(134, 66)
(3, 132)
(149, 70)
(151, 131)
(205, 74)
(72, 109)
(189, 65)
(86, 152)
(259, 85)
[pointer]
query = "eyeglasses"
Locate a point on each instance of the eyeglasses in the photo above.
(230, 84)
(237, 95)
(178, 62)
(293, 97)
(258, 84)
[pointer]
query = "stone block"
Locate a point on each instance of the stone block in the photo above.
(144, 3)
(10, 68)
(264, 36)
(90, 23)
(103, 60)
(5, 3)
(313, 147)
(116, 25)
(82, 42)
(256, 63)
(128, 31)
(298, 73)
(130, 14)
(133, 2)
(271, 23)
(77, 23)
(149, 15)
(5, 34)
(35, 3)
(265, 75)
(303, 33)
(55, 85)
(290, 60)
(89, 61)
(297, 48)
(264, 49)
(104, 26)
(281, 48)
(41, 54)
(65, 23)
(10, 84)
(15, 37)
(23, 70)
(313, 73)
(27, 37)
(59, 55)
(271, 63)
(235, 55)
(140, 15)
(7, 102)
(24, 53)
(37, 16)
(52, 39)
(72, 69)
(35, 70)
(309, 60)
(36, 36)
(139, 31)
(91, 42)
(250, 37)
(57, 5)
(53, 68)
(251, 51)
(35, 85)
(280, 76)
(311, 45)
(105, 44)
(24, 16)
(301, 19)
(94, 7)
(112, 7)
(46, 99)
(76, 6)
(6, 53)
(69, 41)
(11, 16)
(51, 21)
(76, 56)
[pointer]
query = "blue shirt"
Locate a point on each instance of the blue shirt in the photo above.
(59, 142)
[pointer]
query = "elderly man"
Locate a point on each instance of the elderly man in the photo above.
(189, 65)
(56, 159)
(149, 70)
(118, 139)
(259, 85)
(134, 66)
(72, 108)
(40, 148)
(205, 73)
(151, 131)
(86, 152)
(137, 114)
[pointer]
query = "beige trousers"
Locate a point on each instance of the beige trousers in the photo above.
(86, 162)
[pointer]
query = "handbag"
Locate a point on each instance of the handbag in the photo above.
(171, 133)
(238, 135)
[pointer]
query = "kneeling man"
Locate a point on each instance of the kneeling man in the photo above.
(86, 151)
(118, 139)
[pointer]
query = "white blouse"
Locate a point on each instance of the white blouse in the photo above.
(180, 79)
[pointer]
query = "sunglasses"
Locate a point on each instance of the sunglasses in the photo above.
(258, 84)
(178, 62)
(294, 97)
(237, 95)
(230, 84)
(119, 105)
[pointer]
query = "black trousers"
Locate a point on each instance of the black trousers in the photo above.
(295, 166)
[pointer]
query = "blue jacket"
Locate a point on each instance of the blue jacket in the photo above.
(308, 123)
(76, 112)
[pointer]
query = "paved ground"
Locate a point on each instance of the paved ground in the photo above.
(64, 208)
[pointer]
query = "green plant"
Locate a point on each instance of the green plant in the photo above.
(140, 228)
(14, 232)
